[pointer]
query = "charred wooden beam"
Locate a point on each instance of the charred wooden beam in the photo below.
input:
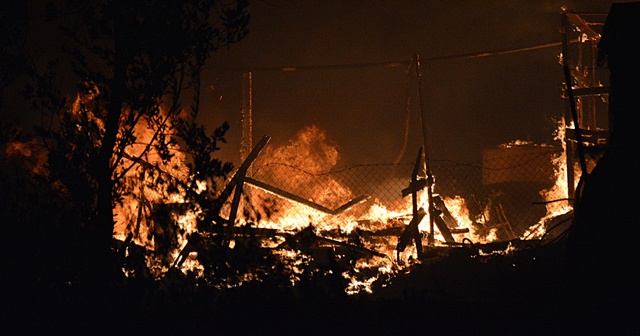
(459, 230)
(261, 232)
(304, 201)
(411, 232)
(349, 204)
(392, 231)
(591, 91)
(286, 194)
(306, 239)
(228, 189)
(446, 215)
(193, 243)
(583, 25)
(240, 177)
(351, 246)
(444, 220)
(444, 229)
(418, 185)
(302, 240)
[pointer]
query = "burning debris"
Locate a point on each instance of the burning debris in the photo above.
(288, 216)
(310, 226)
(285, 212)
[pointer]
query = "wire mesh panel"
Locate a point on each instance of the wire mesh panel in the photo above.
(384, 182)
(504, 192)
(342, 141)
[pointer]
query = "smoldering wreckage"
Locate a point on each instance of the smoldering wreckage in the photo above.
(574, 269)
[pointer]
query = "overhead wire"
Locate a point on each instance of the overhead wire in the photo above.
(407, 121)
(408, 64)
(403, 63)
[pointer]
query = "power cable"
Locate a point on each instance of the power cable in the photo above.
(407, 121)
(403, 63)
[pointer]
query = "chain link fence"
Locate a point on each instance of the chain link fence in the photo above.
(373, 115)
(502, 192)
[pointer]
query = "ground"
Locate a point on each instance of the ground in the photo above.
(529, 291)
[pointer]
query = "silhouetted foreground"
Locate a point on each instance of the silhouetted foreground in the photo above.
(602, 245)
(453, 291)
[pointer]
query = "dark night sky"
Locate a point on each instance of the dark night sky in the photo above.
(471, 104)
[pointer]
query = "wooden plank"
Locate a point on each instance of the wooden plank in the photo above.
(591, 91)
(302, 200)
(237, 179)
(351, 203)
(351, 246)
(444, 229)
(443, 219)
(411, 232)
(287, 195)
(583, 26)
(254, 153)
(446, 215)
(414, 182)
(242, 170)
(235, 202)
(419, 184)
(306, 240)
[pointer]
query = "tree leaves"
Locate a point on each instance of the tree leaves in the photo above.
(119, 128)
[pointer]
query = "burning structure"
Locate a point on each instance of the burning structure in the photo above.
(287, 212)
(292, 202)
(365, 221)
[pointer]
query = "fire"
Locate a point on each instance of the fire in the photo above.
(304, 163)
(302, 168)
(555, 197)
(458, 208)
(310, 149)
(144, 193)
(560, 188)
(141, 173)
(134, 215)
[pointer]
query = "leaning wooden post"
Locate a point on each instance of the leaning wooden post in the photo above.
(414, 183)
(238, 180)
(412, 231)
(414, 202)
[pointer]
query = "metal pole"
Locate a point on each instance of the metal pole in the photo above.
(568, 78)
(246, 142)
(569, 153)
(423, 121)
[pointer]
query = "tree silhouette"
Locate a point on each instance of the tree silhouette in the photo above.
(135, 65)
(13, 27)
